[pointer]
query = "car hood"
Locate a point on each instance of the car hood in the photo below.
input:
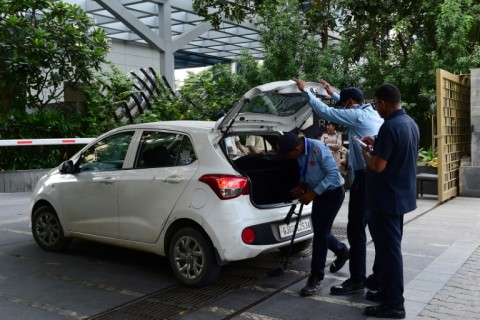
(275, 106)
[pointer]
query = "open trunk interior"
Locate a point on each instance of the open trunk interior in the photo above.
(271, 178)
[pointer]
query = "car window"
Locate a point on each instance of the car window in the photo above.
(107, 154)
(186, 153)
(276, 104)
(164, 149)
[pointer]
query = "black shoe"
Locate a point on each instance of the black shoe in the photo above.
(340, 261)
(372, 283)
(376, 296)
(347, 287)
(384, 311)
(312, 287)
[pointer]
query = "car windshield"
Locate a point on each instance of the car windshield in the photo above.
(282, 105)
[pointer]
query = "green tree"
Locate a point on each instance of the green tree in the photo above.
(404, 42)
(104, 95)
(206, 93)
(237, 11)
(44, 44)
(400, 42)
(280, 33)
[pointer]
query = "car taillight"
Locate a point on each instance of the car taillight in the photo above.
(226, 186)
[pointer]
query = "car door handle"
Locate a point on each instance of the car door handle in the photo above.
(106, 181)
(173, 179)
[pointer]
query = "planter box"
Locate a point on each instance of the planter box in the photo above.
(429, 187)
(20, 181)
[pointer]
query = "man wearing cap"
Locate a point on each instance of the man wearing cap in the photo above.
(320, 182)
(361, 120)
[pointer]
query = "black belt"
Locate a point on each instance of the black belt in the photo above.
(334, 189)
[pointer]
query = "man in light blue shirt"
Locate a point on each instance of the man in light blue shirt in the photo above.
(320, 182)
(361, 120)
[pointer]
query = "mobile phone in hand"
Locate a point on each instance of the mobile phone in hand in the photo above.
(360, 142)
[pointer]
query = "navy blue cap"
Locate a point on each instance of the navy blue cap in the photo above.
(350, 93)
(317, 133)
(332, 123)
(287, 143)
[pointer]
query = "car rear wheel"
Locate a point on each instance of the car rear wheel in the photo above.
(192, 258)
(47, 230)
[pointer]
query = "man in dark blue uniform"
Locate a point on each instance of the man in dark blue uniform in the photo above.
(320, 182)
(391, 176)
(361, 120)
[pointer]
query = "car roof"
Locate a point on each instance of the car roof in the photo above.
(183, 125)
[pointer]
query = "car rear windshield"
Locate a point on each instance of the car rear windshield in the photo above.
(282, 105)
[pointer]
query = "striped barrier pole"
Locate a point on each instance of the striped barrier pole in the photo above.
(39, 142)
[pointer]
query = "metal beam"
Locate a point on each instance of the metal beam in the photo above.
(167, 58)
(192, 34)
(123, 15)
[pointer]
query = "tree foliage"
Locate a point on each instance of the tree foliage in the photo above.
(206, 93)
(46, 124)
(401, 42)
(217, 10)
(44, 44)
(104, 94)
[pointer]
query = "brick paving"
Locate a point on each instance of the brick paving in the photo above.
(460, 297)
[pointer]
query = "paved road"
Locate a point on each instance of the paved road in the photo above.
(441, 260)
(85, 280)
(91, 280)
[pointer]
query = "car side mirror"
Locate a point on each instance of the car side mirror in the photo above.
(67, 167)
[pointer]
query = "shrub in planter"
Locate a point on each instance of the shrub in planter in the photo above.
(45, 124)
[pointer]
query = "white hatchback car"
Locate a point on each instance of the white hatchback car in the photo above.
(174, 188)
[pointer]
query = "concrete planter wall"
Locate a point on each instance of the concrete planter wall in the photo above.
(20, 181)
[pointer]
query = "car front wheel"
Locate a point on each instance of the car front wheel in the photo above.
(192, 258)
(47, 230)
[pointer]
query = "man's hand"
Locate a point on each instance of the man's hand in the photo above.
(307, 197)
(327, 86)
(297, 192)
(300, 84)
(368, 140)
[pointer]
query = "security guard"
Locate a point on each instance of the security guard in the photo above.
(320, 182)
(362, 120)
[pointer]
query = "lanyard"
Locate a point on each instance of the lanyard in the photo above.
(305, 167)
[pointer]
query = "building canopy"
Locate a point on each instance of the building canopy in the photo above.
(183, 39)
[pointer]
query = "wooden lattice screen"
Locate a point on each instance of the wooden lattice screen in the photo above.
(453, 130)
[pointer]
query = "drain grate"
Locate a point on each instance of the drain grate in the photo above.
(340, 232)
(146, 310)
(175, 301)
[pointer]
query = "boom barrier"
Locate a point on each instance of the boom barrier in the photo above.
(40, 142)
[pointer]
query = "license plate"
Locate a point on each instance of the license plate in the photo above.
(287, 230)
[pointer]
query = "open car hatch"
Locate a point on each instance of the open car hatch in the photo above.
(277, 106)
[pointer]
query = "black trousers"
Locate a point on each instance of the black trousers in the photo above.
(387, 232)
(358, 218)
(324, 210)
